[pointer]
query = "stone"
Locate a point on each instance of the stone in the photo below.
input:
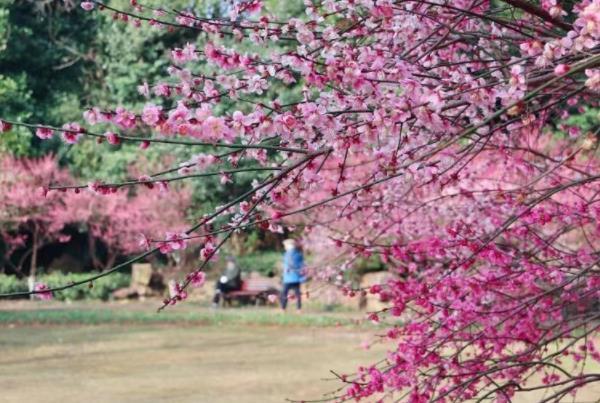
(141, 273)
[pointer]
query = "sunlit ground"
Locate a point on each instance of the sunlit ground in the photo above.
(265, 357)
(224, 361)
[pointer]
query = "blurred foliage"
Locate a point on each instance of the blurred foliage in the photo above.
(261, 262)
(85, 59)
(588, 120)
(11, 284)
(101, 289)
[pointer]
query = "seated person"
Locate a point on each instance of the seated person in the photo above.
(230, 280)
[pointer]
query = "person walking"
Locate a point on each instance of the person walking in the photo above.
(293, 273)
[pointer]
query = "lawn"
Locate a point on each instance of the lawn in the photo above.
(161, 362)
(128, 353)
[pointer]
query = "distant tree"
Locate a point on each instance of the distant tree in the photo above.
(119, 221)
(32, 216)
(29, 217)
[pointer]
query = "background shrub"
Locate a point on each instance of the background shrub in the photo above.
(100, 289)
(261, 262)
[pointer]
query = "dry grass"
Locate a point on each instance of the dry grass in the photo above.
(242, 356)
(153, 363)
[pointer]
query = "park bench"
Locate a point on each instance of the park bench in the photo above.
(255, 290)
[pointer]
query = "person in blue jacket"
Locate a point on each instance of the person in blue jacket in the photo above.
(293, 272)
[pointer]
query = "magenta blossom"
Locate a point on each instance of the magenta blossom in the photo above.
(197, 278)
(42, 292)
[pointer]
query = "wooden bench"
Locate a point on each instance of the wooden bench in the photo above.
(254, 291)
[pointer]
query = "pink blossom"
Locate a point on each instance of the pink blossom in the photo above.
(187, 54)
(561, 69)
(98, 188)
(124, 118)
(214, 128)
(289, 121)
(174, 241)
(151, 114)
(225, 178)
(208, 251)
(373, 317)
(44, 133)
(87, 5)
(5, 126)
(144, 242)
(163, 186)
(179, 114)
(593, 79)
(162, 89)
(144, 89)
(42, 292)
(112, 138)
(72, 132)
(197, 278)
(92, 116)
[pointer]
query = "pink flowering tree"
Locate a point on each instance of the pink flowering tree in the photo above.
(120, 221)
(30, 218)
(434, 134)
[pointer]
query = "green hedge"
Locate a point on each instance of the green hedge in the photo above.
(102, 288)
(10, 284)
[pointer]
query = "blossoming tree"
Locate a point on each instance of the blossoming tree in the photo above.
(25, 212)
(436, 134)
(120, 221)
(31, 217)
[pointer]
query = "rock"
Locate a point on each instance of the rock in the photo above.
(141, 273)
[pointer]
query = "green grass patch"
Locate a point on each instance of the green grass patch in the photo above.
(90, 316)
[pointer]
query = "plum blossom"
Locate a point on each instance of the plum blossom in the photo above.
(208, 251)
(144, 89)
(5, 126)
(225, 178)
(197, 278)
(173, 242)
(87, 5)
(215, 129)
(144, 242)
(124, 118)
(187, 54)
(561, 69)
(112, 138)
(151, 114)
(72, 132)
(98, 188)
(593, 79)
(42, 291)
(44, 133)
